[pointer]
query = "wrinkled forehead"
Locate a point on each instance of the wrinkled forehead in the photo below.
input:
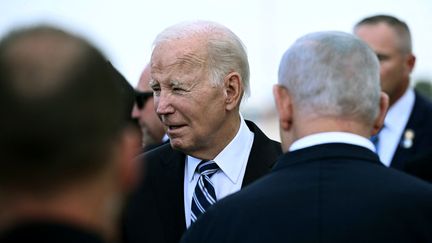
(179, 56)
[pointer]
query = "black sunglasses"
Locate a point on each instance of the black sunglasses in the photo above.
(142, 97)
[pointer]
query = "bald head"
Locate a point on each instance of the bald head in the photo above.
(39, 61)
(143, 84)
(60, 106)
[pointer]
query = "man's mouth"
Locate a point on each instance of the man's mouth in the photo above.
(174, 127)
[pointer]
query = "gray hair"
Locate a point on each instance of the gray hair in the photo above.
(225, 51)
(332, 74)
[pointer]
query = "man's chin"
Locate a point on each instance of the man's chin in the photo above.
(178, 144)
(147, 139)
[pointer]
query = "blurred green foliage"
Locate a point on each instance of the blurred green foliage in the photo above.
(424, 87)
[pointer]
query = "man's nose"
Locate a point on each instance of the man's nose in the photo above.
(135, 111)
(163, 104)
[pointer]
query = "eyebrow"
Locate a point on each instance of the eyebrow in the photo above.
(175, 83)
(152, 83)
(382, 56)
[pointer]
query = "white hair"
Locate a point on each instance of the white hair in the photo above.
(225, 51)
(332, 74)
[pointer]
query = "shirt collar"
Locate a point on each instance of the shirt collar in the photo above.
(225, 158)
(165, 138)
(332, 137)
(398, 114)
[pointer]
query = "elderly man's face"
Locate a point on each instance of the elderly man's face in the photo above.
(191, 108)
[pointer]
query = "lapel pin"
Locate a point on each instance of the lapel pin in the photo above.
(408, 139)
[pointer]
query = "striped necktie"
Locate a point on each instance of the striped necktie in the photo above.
(204, 195)
(375, 139)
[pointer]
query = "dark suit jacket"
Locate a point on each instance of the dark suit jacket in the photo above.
(325, 193)
(155, 212)
(420, 122)
(48, 232)
(153, 146)
(421, 167)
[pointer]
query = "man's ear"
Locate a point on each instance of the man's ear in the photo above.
(410, 61)
(129, 148)
(284, 107)
(379, 121)
(233, 90)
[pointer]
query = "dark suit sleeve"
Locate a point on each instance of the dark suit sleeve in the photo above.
(421, 167)
(205, 229)
(135, 222)
(155, 210)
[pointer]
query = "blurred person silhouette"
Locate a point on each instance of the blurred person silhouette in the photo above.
(67, 146)
(199, 74)
(128, 94)
(153, 132)
(406, 133)
(329, 186)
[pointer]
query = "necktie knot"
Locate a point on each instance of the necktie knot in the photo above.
(207, 167)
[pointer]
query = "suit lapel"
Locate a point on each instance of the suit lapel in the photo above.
(416, 123)
(169, 193)
(263, 155)
(169, 183)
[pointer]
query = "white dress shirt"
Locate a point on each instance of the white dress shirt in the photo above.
(232, 161)
(165, 138)
(332, 137)
(394, 125)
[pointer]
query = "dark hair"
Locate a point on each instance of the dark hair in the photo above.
(128, 95)
(61, 110)
(401, 28)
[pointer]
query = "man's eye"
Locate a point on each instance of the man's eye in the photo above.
(382, 57)
(156, 90)
(178, 89)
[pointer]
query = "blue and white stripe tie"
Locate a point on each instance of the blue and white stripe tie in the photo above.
(204, 195)
(375, 139)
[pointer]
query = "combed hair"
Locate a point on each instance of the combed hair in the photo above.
(61, 106)
(400, 27)
(332, 74)
(225, 51)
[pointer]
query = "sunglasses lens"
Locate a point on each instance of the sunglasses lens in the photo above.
(139, 101)
(142, 97)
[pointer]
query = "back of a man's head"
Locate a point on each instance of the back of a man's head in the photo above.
(61, 110)
(332, 74)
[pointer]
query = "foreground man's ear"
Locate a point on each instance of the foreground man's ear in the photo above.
(379, 121)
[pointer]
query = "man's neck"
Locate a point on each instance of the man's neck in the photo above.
(221, 139)
(399, 93)
(80, 206)
(311, 126)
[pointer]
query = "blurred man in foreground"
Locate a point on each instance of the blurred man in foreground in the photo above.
(66, 145)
